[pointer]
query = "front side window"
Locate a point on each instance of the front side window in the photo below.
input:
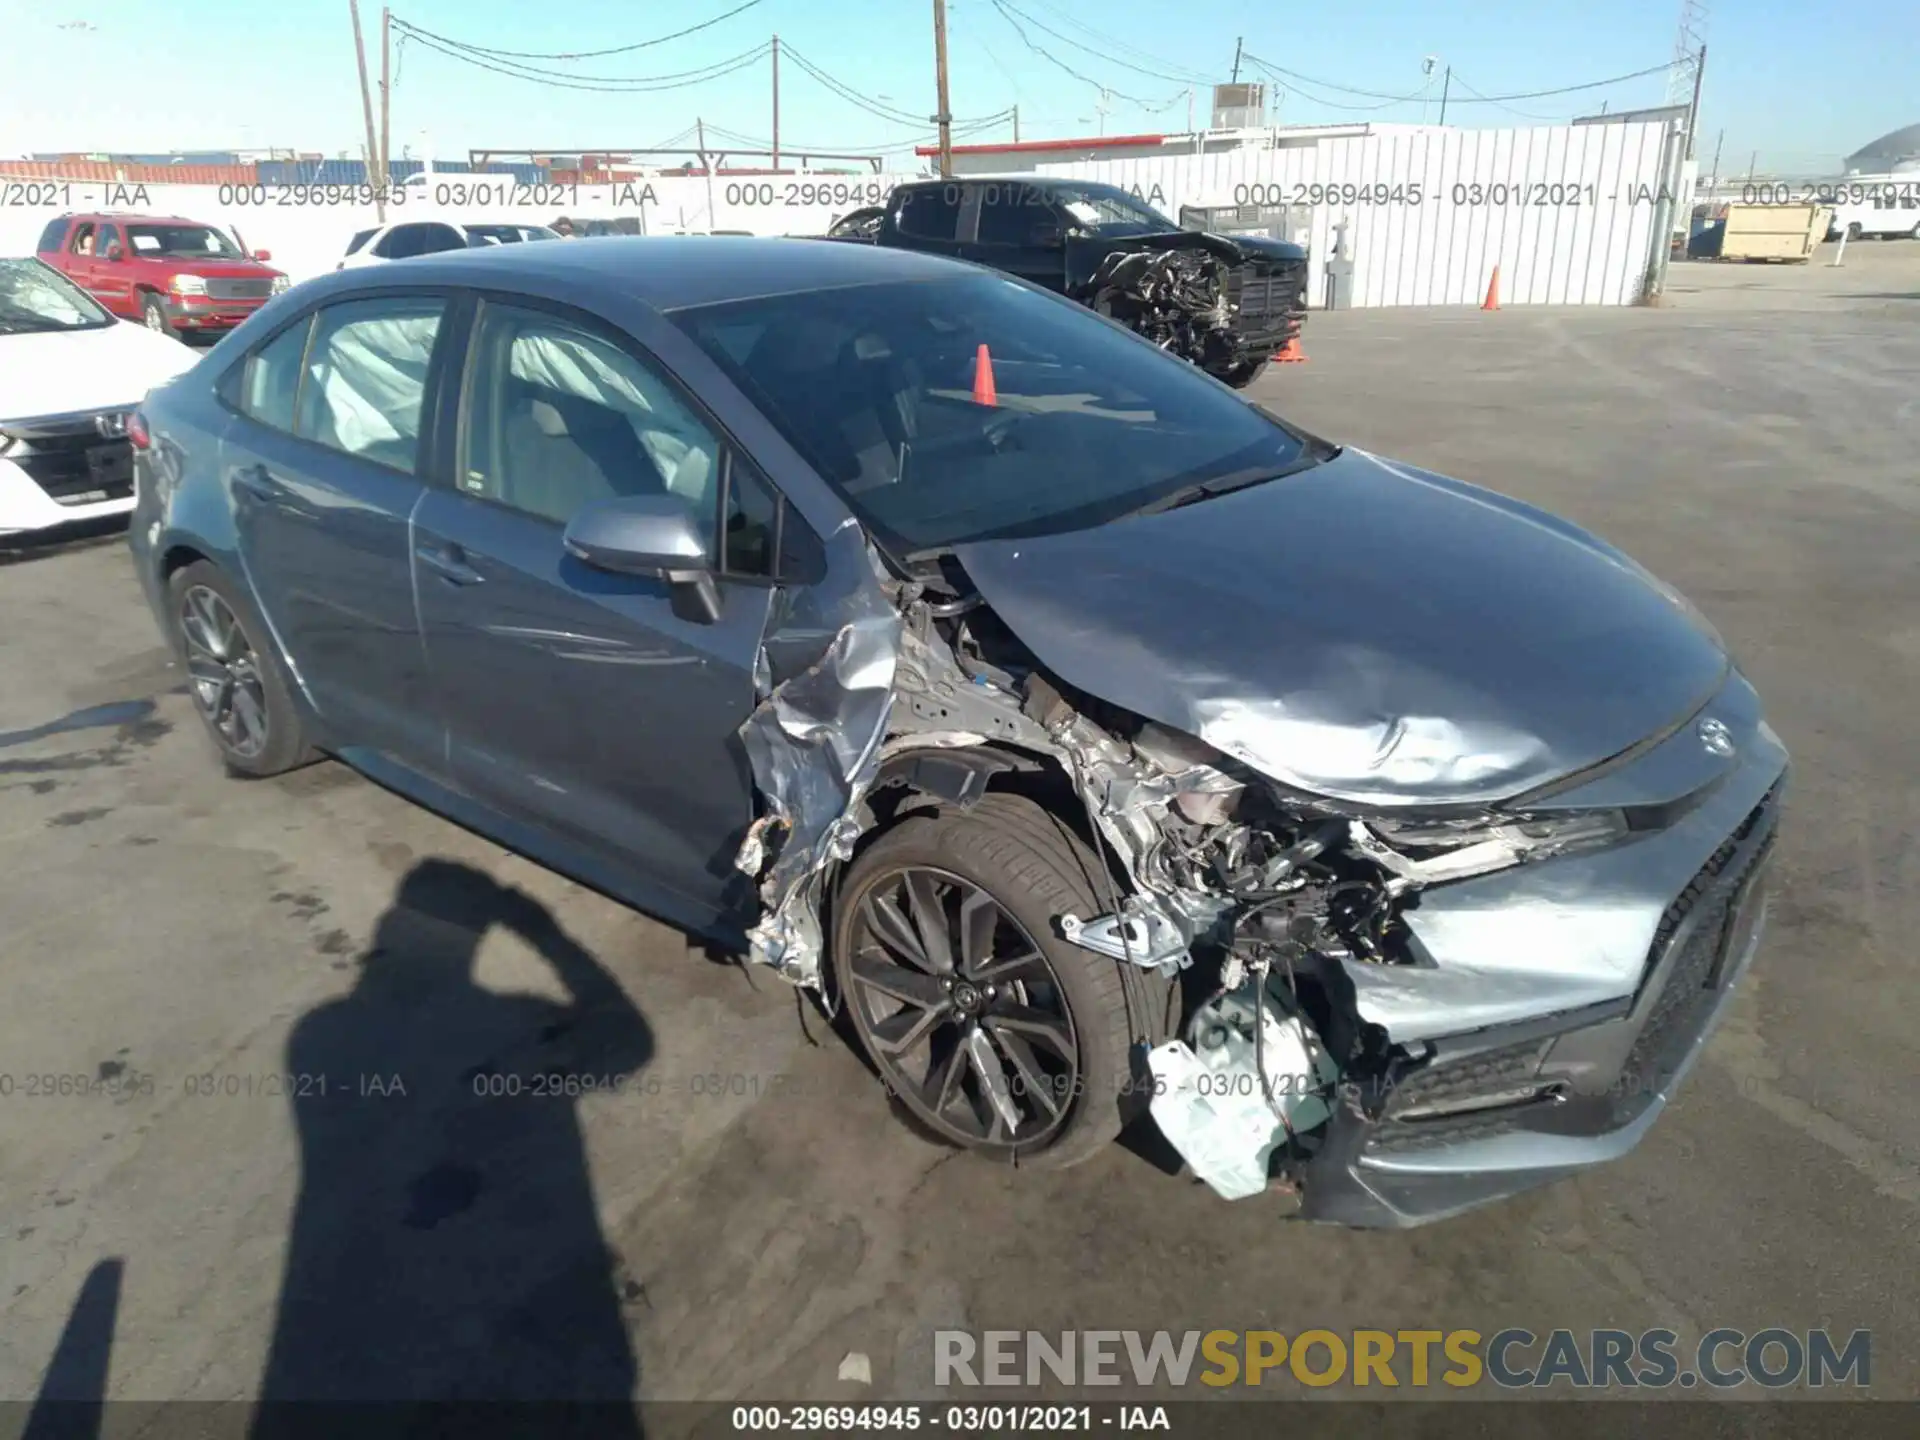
(1065, 420)
(559, 416)
(181, 242)
(108, 238)
(365, 379)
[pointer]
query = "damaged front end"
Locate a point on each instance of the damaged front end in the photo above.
(1201, 297)
(1390, 1016)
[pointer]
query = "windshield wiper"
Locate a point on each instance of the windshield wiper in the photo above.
(1223, 485)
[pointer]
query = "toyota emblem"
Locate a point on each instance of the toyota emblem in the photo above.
(1716, 737)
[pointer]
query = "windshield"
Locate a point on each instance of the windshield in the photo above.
(181, 242)
(1109, 210)
(35, 298)
(885, 390)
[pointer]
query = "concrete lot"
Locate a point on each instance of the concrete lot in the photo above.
(737, 1235)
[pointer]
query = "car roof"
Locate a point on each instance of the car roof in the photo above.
(667, 272)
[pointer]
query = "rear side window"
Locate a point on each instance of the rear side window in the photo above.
(931, 212)
(272, 378)
(365, 379)
(51, 237)
(355, 245)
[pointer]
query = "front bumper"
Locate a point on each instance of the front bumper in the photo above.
(200, 312)
(1667, 922)
(70, 474)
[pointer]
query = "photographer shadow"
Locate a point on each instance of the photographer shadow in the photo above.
(446, 1246)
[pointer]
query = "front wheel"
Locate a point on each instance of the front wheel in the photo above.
(1241, 376)
(236, 682)
(989, 1029)
(153, 314)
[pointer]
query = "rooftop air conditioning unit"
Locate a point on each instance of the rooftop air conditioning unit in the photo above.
(1239, 107)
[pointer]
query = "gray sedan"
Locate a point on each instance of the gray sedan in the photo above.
(1099, 745)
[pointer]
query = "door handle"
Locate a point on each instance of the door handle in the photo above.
(449, 562)
(254, 481)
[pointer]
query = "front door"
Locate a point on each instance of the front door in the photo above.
(579, 702)
(324, 469)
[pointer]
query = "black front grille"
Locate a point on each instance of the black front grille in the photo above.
(1692, 987)
(72, 459)
(239, 289)
(1265, 293)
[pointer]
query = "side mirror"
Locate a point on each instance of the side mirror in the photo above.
(652, 535)
(115, 253)
(263, 255)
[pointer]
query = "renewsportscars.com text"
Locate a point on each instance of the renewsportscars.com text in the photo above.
(1512, 1358)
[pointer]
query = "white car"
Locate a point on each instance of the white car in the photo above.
(70, 376)
(401, 238)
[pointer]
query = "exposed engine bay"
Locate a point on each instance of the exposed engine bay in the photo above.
(1263, 903)
(1175, 298)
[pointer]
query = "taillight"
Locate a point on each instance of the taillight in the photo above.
(137, 431)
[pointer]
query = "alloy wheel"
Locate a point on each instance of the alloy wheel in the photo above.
(961, 1010)
(224, 672)
(155, 320)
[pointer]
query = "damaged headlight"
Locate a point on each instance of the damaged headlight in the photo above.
(1432, 850)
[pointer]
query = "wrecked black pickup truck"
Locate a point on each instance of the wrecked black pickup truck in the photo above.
(1226, 304)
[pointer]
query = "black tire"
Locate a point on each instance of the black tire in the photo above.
(1035, 869)
(153, 314)
(1241, 376)
(255, 684)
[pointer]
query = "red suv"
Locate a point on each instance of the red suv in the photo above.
(176, 276)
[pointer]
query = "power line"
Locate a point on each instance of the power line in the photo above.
(629, 84)
(1478, 97)
(1297, 88)
(1007, 5)
(1279, 70)
(898, 142)
(1051, 58)
(854, 97)
(1194, 77)
(1571, 89)
(580, 54)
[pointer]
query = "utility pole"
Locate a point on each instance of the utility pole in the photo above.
(945, 118)
(386, 102)
(1238, 41)
(1693, 107)
(706, 166)
(366, 102)
(1446, 84)
(1714, 183)
(776, 102)
(1016, 122)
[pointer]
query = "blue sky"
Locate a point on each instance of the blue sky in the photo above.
(1797, 83)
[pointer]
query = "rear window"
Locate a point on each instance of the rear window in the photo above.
(883, 389)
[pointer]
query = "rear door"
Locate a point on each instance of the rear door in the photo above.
(1015, 227)
(581, 702)
(927, 217)
(323, 466)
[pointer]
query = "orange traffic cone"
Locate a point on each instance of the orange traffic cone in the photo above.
(1289, 353)
(1492, 302)
(983, 391)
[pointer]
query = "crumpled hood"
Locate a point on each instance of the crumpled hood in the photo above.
(1365, 631)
